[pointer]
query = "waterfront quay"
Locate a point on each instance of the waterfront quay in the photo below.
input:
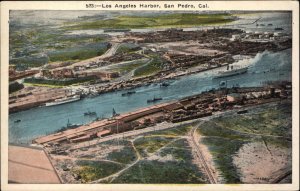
(156, 57)
(193, 107)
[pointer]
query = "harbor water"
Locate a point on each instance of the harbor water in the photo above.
(266, 66)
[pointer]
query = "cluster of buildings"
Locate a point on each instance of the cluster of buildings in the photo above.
(35, 97)
(186, 61)
(15, 75)
(173, 35)
(90, 69)
(260, 36)
(185, 109)
(64, 73)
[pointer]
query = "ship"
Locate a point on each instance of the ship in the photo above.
(164, 84)
(64, 100)
(128, 93)
(231, 72)
(17, 121)
(69, 126)
(155, 99)
(90, 113)
(278, 29)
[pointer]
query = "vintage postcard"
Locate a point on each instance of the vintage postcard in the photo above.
(150, 95)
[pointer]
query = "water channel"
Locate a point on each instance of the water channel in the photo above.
(266, 66)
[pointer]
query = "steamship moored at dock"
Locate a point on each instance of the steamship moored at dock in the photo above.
(64, 100)
(231, 72)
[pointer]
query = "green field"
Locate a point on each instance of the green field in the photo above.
(33, 47)
(151, 68)
(125, 156)
(148, 145)
(127, 67)
(161, 172)
(177, 170)
(93, 170)
(165, 20)
(127, 48)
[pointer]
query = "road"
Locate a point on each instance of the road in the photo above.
(200, 157)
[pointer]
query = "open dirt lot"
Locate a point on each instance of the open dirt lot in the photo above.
(29, 165)
(186, 47)
(258, 163)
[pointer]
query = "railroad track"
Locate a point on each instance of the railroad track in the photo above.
(199, 154)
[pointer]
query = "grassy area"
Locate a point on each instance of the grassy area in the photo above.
(178, 131)
(147, 145)
(125, 68)
(93, 170)
(33, 47)
(224, 136)
(222, 150)
(127, 48)
(78, 52)
(43, 85)
(126, 155)
(164, 20)
(150, 69)
(223, 143)
(273, 121)
(161, 172)
(179, 149)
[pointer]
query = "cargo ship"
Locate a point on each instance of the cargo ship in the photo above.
(155, 99)
(164, 84)
(64, 100)
(128, 93)
(90, 113)
(231, 72)
(69, 126)
(278, 29)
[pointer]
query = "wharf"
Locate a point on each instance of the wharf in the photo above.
(97, 126)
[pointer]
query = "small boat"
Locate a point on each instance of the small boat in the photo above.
(270, 24)
(17, 121)
(262, 25)
(90, 113)
(128, 93)
(164, 84)
(222, 83)
(114, 113)
(278, 29)
(155, 99)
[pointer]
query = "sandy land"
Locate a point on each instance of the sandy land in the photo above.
(258, 163)
(186, 47)
(30, 165)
